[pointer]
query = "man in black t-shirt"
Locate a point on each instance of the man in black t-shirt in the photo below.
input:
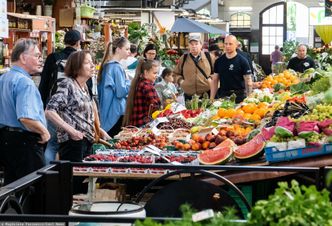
(233, 72)
(301, 62)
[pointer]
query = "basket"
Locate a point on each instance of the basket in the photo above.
(87, 11)
(274, 155)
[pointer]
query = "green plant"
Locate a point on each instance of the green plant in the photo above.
(289, 48)
(137, 34)
(291, 206)
(220, 219)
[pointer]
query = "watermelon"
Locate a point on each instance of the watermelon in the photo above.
(252, 149)
(215, 156)
(307, 128)
(284, 127)
(218, 155)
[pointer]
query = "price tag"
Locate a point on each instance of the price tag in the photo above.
(176, 107)
(156, 122)
(203, 215)
(187, 138)
(215, 131)
(156, 131)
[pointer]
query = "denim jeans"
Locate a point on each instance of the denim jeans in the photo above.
(52, 146)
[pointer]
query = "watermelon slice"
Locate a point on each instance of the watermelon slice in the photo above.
(218, 155)
(307, 128)
(250, 150)
(215, 156)
(285, 127)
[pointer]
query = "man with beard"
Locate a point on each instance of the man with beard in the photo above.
(232, 72)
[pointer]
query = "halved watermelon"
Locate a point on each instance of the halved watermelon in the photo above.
(215, 156)
(226, 143)
(250, 150)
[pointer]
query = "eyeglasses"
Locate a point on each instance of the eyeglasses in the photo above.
(36, 55)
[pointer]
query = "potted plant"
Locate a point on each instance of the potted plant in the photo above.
(48, 7)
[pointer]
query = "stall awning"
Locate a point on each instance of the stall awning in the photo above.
(187, 25)
(325, 32)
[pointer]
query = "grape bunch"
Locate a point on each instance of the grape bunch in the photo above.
(319, 113)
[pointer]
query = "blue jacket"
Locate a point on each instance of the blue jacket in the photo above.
(112, 92)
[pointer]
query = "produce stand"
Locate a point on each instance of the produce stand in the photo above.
(285, 117)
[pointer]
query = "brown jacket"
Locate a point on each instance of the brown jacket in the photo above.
(194, 82)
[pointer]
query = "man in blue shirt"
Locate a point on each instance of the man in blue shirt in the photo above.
(22, 120)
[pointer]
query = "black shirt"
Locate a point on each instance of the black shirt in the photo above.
(231, 72)
(47, 81)
(300, 65)
(247, 56)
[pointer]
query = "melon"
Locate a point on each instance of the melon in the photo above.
(226, 143)
(215, 156)
(250, 150)
(218, 155)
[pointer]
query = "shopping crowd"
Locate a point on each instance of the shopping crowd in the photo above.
(61, 116)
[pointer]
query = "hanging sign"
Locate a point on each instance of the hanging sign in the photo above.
(328, 7)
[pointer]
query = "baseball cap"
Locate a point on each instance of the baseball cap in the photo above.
(195, 37)
(72, 36)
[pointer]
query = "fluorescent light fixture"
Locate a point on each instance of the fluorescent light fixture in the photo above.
(240, 8)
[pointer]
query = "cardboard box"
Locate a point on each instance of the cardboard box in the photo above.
(110, 192)
(66, 17)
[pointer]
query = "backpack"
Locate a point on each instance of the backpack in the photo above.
(208, 56)
(58, 75)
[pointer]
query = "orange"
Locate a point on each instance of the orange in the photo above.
(249, 108)
(239, 112)
(255, 117)
(221, 112)
(230, 113)
(262, 105)
(247, 116)
(260, 112)
(215, 117)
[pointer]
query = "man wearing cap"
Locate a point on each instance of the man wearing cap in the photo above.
(22, 119)
(232, 73)
(49, 79)
(193, 72)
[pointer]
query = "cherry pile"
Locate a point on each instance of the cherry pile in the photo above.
(175, 123)
(138, 142)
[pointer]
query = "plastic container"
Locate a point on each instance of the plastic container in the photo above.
(247, 191)
(274, 155)
(87, 11)
(107, 209)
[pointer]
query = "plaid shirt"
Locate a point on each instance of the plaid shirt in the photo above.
(146, 97)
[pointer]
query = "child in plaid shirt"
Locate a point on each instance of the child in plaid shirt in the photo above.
(143, 98)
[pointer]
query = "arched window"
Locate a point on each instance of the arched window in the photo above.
(240, 20)
(273, 27)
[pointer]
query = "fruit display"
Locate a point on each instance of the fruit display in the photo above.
(285, 79)
(138, 142)
(281, 112)
(249, 111)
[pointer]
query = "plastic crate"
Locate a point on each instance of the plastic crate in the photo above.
(247, 191)
(272, 154)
